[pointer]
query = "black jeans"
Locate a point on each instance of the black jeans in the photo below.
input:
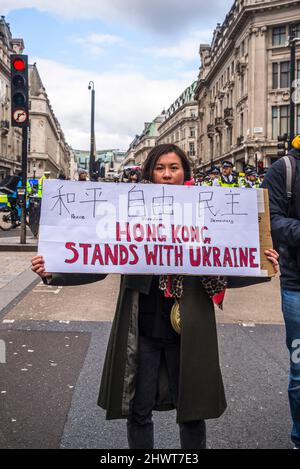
(140, 431)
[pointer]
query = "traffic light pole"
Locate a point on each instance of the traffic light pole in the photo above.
(24, 183)
(292, 44)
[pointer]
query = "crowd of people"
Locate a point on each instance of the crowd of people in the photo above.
(226, 176)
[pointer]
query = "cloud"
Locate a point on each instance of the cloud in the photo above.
(97, 44)
(185, 49)
(123, 102)
(165, 17)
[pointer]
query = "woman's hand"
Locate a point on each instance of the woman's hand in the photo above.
(273, 257)
(38, 266)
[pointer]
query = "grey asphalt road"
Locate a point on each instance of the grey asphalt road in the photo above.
(53, 403)
(44, 410)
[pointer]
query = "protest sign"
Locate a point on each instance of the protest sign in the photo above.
(149, 229)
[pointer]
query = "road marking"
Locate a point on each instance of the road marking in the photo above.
(42, 288)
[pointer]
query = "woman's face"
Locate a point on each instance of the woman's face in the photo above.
(168, 170)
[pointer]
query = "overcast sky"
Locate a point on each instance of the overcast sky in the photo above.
(141, 56)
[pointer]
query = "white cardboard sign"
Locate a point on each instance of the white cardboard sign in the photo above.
(149, 229)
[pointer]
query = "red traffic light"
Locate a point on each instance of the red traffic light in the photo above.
(19, 64)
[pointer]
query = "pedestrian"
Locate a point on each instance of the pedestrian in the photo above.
(61, 175)
(82, 174)
(148, 365)
(134, 176)
(285, 224)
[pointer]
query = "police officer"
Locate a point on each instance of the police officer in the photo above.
(252, 181)
(262, 176)
(227, 178)
(199, 177)
(213, 177)
(46, 175)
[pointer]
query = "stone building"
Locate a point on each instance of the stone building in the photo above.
(142, 144)
(147, 140)
(10, 137)
(48, 149)
(180, 125)
(243, 84)
(129, 159)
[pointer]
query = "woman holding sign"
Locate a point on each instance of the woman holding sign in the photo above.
(150, 363)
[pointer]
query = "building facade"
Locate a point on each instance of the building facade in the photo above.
(180, 125)
(10, 137)
(48, 149)
(143, 143)
(129, 158)
(147, 140)
(243, 84)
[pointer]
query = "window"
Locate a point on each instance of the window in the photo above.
(284, 74)
(284, 120)
(242, 48)
(280, 121)
(279, 36)
(298, 119)
(241, 124)
(229, 137)
(298, 69)
(192, 149)
(193, 113)
(297, 30)
(242, 84)
(192, 132)
(275, 81)
(274, 123)
(281, 75)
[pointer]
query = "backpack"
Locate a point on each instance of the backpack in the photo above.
(290, 175)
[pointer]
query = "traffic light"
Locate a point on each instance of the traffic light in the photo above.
(282, 145)
(19, 90)
(260, 166)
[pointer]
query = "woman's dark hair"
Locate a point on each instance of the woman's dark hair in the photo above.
(157, 152)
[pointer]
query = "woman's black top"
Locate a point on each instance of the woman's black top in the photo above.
(154, 314)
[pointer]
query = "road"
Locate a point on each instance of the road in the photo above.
(56, 340)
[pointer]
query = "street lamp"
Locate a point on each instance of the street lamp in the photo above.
(293, 84)
(92, 150)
